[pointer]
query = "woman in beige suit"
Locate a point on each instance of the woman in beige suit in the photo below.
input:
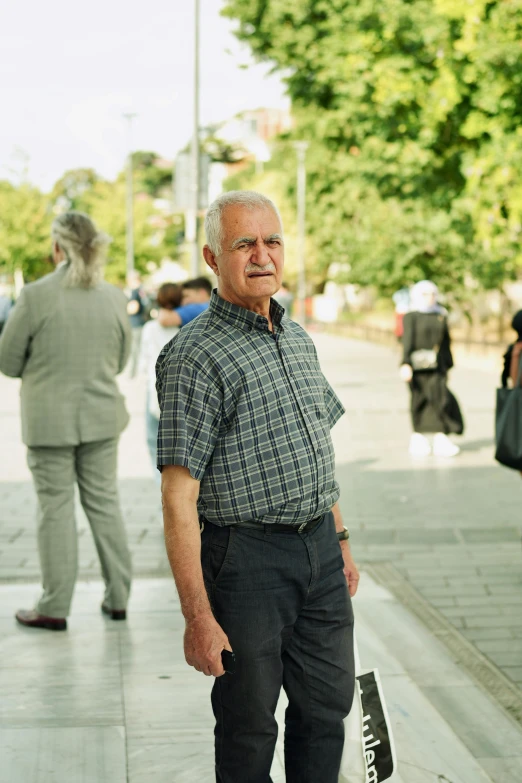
(67, 338)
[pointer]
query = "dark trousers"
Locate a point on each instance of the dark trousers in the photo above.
(282, 600)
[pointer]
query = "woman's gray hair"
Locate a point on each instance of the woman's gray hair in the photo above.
(84, 247)
(214, 217)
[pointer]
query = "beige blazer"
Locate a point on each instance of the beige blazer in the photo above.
(67, 345)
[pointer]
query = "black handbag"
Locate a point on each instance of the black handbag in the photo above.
(508, 425)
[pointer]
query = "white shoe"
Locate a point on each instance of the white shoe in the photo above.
(419, 445)
(443, 447)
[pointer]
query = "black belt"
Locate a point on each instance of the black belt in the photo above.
(305, 527)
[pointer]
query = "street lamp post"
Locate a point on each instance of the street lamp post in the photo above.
(130, 199)
(300, 148)
(191, 217)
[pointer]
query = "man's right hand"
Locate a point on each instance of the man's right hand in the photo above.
(204, 642)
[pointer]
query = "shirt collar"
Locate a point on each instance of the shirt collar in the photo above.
(241, 317)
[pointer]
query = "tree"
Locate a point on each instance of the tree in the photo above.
(149, 176)
(25, 222)
(68, 191)
(105, 204)
(413, 110)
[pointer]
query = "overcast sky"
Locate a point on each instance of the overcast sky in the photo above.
(68, 71)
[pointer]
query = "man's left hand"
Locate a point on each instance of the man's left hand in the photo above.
(350, 569)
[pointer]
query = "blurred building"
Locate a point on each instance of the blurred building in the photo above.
(227, 147)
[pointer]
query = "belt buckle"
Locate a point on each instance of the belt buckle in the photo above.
(302, 527)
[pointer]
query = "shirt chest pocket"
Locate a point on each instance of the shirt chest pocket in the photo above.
(310, 386)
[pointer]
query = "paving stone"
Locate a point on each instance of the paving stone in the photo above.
(476, 634)
(515, 672)
(500, 601)
(501, 590)
(504, 659)
(427, 537)
(495, 646)
(490, 535)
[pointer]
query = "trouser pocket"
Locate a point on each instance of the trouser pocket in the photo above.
(216, 551)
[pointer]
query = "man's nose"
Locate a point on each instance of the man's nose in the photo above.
(260, 255)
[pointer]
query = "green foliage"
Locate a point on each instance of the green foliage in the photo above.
(68, 191)
(105, 204)
(220, 151)
(26, 216)
(25, 221)
(149, 177)
(413, 109)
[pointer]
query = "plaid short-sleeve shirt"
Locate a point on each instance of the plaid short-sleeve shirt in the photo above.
(249, 413)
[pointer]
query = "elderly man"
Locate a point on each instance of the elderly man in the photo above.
(252, 524)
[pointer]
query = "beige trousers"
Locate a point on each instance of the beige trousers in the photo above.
(55, 472)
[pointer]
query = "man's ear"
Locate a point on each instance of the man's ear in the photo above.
(210, 260)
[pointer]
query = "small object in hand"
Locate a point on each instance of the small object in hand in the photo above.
(406, 373)
(228, 659)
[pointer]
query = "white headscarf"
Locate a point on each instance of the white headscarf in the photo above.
(419, 298)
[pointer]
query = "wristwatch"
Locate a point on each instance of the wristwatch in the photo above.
(343, 535)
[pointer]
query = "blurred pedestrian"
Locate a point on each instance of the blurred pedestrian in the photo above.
(507, 426)
(195, 300)
(154, 337)
(426, 361)
(137, 312)
(244, 442)
(513, 354)
(67, 338)
(401, 300)
(6, 304)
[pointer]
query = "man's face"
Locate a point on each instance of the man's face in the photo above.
(250, 266)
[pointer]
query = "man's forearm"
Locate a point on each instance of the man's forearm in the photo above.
(336, 511)
(183, 542)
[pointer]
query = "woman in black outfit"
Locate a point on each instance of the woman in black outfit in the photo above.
(426, 361)
(511, 368)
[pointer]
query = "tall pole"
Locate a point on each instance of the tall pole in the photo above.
(192, 213)
(130, 199)
(301, 147)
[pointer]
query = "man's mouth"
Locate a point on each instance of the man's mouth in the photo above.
(260, 274)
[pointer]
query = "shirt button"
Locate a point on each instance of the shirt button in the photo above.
(320, 452)
(318, 413)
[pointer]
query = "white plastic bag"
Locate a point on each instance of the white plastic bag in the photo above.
(369, 750)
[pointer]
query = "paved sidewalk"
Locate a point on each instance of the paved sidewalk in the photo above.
(113, 702)
(450, 529)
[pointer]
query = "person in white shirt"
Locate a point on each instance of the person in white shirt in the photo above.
(154, 337)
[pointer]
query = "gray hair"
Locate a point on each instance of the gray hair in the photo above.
(214, 217)
(84, 247)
